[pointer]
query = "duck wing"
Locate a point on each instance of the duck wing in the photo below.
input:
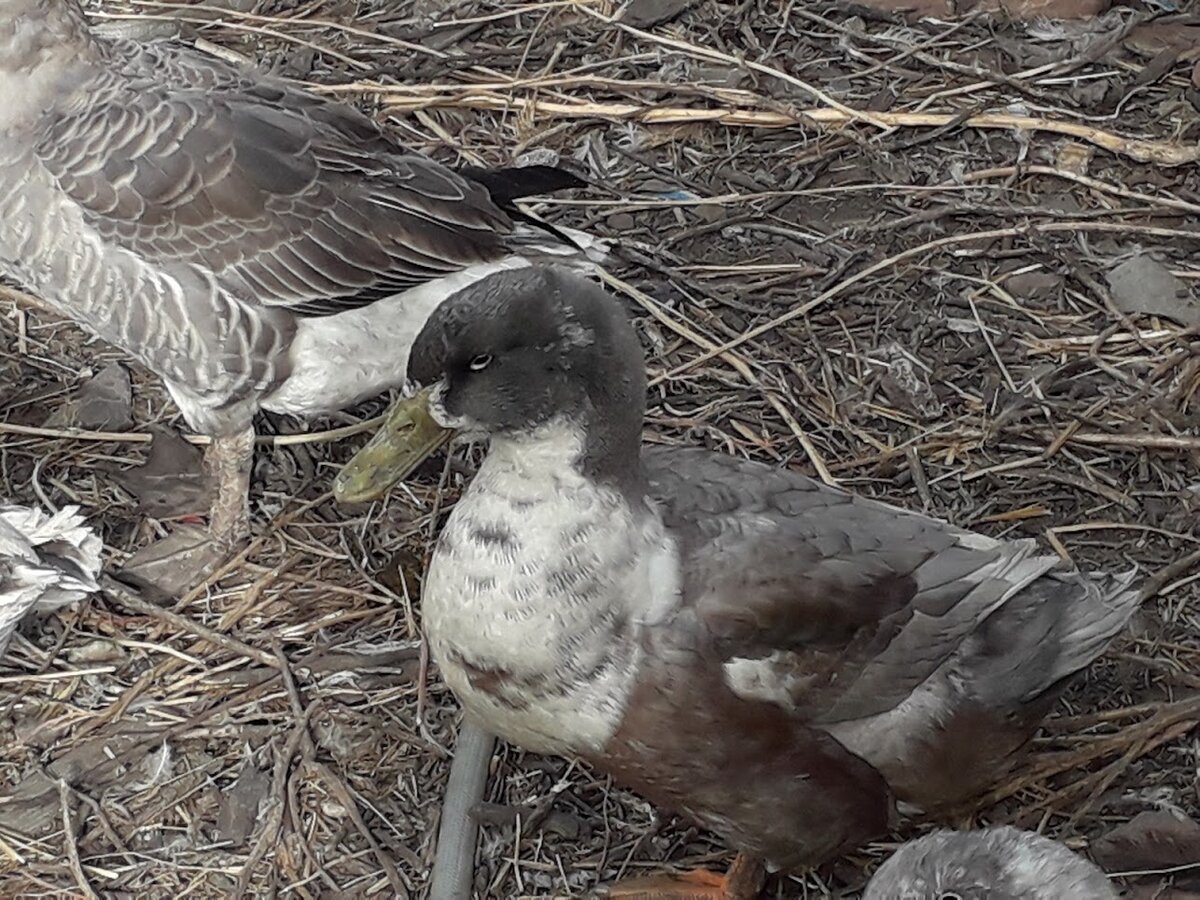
(285, 199)
(842, 607)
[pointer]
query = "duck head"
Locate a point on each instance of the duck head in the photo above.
(511, 356)
(999, 863)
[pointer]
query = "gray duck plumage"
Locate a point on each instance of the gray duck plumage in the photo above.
(998, 863)
(255, 245)
(777, 658)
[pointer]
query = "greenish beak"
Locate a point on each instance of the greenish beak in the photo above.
(408, 437)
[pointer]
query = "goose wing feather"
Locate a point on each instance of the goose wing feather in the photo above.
(286, 199)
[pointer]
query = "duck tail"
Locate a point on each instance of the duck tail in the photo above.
(1053, 628)
(1098, 609)
(508, 184)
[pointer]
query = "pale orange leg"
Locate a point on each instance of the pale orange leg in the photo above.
(743, 881)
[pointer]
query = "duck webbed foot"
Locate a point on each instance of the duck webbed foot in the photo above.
(743, 881)
(189, 555)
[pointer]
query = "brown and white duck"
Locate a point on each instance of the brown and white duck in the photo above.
(255, 245)
(775, 658)
(998, 863)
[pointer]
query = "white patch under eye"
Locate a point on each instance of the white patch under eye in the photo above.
(480, 362)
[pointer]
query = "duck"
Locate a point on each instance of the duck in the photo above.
(255, 245)
(999, 863)
(787, 664)
(47, 561)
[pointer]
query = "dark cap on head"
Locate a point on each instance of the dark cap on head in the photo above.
(527, 346)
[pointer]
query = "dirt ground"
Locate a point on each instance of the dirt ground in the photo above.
(949, 263)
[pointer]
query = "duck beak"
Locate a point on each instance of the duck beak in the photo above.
(409, 435)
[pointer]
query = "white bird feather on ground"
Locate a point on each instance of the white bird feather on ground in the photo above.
(46, 562)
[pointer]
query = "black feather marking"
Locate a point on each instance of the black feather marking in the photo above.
(510, 183)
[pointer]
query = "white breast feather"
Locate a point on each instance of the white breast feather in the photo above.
(493, 606)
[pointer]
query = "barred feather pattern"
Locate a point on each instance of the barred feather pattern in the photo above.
(200, 215)
(47, 561)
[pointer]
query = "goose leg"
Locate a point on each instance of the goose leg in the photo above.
(743, 881)
(229, 459)
(188, 555)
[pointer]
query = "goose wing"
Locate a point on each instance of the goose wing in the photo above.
(283, 198)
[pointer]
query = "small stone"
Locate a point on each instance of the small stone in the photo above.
(1142, 284)
(620, 222)
(1033, 285)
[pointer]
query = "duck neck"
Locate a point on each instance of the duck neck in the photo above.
(612, 413)
(600, 440)
(612, 451)
(545, 452)
(568, 446)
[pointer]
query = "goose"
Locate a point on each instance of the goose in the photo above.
(997, 863)
(785, 663)
(257, 246)
(47, 561)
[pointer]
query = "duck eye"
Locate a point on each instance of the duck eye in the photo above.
(480, 362)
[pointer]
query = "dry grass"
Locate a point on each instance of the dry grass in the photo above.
(919, 313)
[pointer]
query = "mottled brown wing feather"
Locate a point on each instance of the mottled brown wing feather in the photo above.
(289, 200)
(869, 600)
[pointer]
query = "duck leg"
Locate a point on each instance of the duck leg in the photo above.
(188, 555)
(743, 881)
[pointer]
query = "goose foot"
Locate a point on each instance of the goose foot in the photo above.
(189, 555)
(177, 563)
(743, 881)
